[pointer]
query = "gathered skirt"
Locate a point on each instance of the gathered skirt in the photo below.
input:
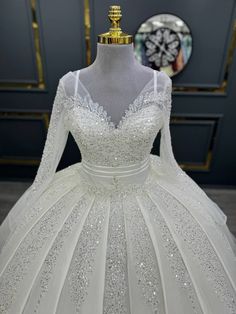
(133, 249)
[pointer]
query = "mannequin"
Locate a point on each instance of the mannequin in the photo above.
(116, 73)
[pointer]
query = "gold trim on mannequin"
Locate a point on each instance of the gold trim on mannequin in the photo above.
(115, 34)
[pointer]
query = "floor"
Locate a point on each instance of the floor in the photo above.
(225, 198)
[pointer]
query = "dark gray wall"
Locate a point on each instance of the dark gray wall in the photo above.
(203, 121)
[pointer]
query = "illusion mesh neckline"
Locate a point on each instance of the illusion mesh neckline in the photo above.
(100, 108)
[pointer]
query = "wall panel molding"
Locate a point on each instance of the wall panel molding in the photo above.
(217, 89)
(32, 84)
(206, 143)
(11, 119)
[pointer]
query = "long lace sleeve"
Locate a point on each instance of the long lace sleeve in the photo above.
(55, 143)
(168, 161)
(170, 166)
(53, 149)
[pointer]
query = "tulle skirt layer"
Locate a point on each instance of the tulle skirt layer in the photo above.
(156, 247)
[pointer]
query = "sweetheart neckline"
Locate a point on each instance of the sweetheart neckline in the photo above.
(101, 110)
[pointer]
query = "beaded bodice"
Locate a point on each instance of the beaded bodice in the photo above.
(101, 142)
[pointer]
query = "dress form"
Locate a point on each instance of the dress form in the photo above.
(115, 78)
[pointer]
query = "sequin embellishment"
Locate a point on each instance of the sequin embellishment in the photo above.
(46, 273)
(198, 244)
(116, 293)
(177, 265)
(146, 264)
(26, 253)
(82, 263)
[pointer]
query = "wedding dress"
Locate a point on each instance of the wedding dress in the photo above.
(122, 231)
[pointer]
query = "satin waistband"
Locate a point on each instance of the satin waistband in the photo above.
(114, 175)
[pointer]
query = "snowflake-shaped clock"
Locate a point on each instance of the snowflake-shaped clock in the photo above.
(162, 47)
(163, 42)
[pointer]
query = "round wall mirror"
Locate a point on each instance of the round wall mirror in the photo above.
(163, 42)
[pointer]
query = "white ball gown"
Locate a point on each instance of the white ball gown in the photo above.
(123, 231)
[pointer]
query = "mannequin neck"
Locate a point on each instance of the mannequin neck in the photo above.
(112, 57)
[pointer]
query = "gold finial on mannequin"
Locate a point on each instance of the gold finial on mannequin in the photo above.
(115, 34)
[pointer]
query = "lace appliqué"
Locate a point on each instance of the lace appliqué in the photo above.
(57, 132)
(167, 99)
(142, 101)
(101, 143)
